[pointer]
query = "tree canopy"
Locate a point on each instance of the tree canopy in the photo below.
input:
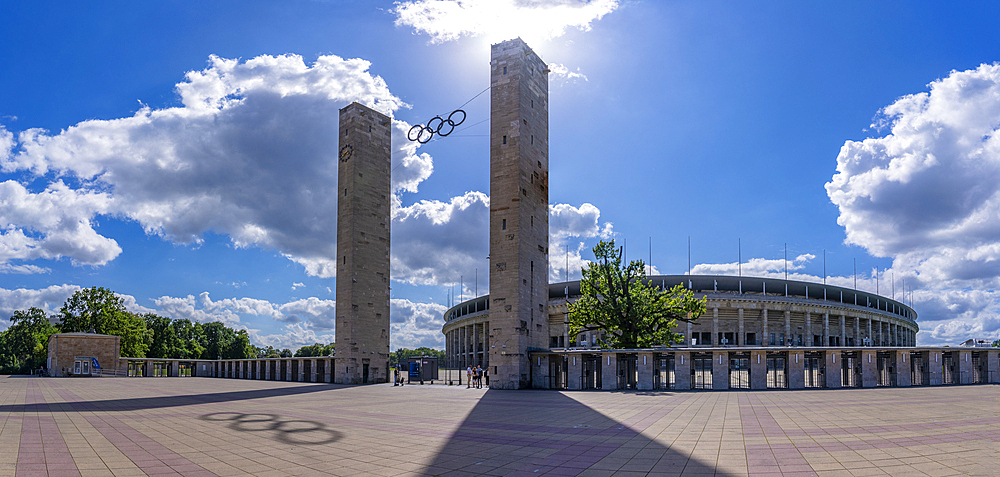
(24, 345)
(619, 301)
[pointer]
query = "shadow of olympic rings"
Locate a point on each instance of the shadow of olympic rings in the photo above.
(290, 431)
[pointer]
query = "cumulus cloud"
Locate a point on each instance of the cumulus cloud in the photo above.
(416, 324)
(49, 299)
(927, 195)
(251, 141)
(559, 72)
(571, 233)
(295, 335)
(436, 242)
(756, 267)
(533, 20)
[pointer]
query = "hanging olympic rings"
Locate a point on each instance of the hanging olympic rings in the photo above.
(437, 125)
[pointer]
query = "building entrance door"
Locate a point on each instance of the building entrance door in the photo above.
(777, 370)
(701, 371)
(663, 374)
(815, 369)
(627, 373)
(739, 370)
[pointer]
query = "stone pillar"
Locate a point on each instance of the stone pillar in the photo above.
(540, 371)
(715, 326)
(857, 331)
(843, 330)
(682, 370)
(267, 370)
(796, 369)
(809, 330)
(687, 337)
(609, 371)
(288, 370)
(519, 209)
(758, 369)
(765, 340)
(574, 372)
(903, 368)
(965, 368)
(788, 328)
(869, 369)
(741, 340)
(363, 218)
(869, 333)
(475, 345)
(832, 371)
(645, 372)
(826, 329)
(720, 370)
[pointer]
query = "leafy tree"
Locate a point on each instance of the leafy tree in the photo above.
(164, 342)
(103, 311)
(317, 349)
(402, 355)
(285, 353)
(631, 312)
(24, 345)
(190, 339)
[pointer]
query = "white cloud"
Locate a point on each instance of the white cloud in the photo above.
(23, 269)
(297, 285)
(252, 141)
(756, 267)
(567, 225)
(927, 195)
(295, 336)
(559, 72)
(416, 324)
(497, 20)
(49, 299)
(56, 222)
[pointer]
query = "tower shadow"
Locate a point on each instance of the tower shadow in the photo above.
(550, 433)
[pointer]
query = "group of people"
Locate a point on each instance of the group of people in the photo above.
(475, 377)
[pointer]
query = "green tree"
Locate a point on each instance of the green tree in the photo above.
(619, 301)
(24, 345)
(164, 342)
(190, 339)
(318, 349)
(103, 311)
(401, 355)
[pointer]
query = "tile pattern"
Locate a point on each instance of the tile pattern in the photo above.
(208, 426)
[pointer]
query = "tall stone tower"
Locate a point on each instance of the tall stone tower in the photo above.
(362, 353)
(519, 211)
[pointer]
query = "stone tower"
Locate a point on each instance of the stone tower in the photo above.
(519, 211)
(362, 353)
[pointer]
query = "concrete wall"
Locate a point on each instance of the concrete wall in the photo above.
(609, 371)
(65, 347)
(682, 370)
(720, 370)
(644, 368)
(869, 369)
(796, 370)
(758, 369)
(833, 370)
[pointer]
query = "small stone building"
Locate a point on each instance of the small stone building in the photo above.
(75, 354)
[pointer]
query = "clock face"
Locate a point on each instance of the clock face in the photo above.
(345, 153)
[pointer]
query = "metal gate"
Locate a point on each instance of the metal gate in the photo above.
(321, 371)
(919, 373)
(283, 375)
(627, 372)
(307, 366)
(886, 367)
(850, 370)
(701, 371)
(777, 370)
(739, 370)
(663, 374)
(948, 365)
(591, 378)
(557, 372)
(815, 370)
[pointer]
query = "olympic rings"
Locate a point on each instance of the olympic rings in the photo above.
(294, 431)
(424, 133)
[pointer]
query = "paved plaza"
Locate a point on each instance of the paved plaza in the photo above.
(212, 426)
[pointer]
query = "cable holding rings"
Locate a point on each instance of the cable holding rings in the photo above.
(437, 125)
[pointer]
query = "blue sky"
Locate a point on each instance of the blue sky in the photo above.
(180, 153)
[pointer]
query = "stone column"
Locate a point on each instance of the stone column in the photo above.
(809, 330)
(741, 340)
(644, 368)
(869, 368)
(869, 334)
(788, 328)
(574, 372)
(758, 369)
(682, 370)
(826, 329)
(540, 371)
(903, 368)
(288, 370)
(935, 367)
(796, 370)
(965, 368)
(843, 330)
(720, 370)
(832, 371)
(765, 340)
(609, 371)
(857, 331)
(715, 326)
(993, 367)
(475, 345)
(687, 337)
